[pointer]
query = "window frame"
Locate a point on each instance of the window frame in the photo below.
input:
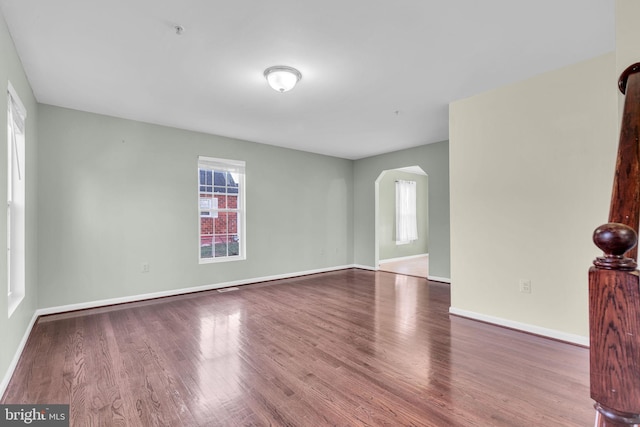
(16, 201)
(237, 168)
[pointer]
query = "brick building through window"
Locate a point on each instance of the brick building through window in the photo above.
(220, 213)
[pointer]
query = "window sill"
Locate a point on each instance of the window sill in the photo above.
(14, 301)
(221, 259)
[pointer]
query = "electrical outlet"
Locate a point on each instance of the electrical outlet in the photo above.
(145, 267)
(525, 286)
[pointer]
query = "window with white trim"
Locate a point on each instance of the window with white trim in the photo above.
(221, 209)
(406, 215)
(16, 199)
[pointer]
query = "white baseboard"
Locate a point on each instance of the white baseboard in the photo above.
(403, 258)
(525, 327)
(172, 292)
(16, 357)
(439, 279)
(364, 267)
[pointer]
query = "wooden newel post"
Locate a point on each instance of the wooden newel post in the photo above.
(614, 315)
(614, 281)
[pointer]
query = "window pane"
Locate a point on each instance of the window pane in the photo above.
(232, 183)
(220, 226)
(221, 247)
(220, 242)
(222, 201)
(234, 245)
(206, 247)
(232, 201)
(228, 180)
(206, 226)
(232, 222)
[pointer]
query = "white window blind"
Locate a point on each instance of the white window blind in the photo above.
(406, 217)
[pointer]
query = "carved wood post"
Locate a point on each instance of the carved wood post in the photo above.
(614, 281)
(625, 197)
(614, 299)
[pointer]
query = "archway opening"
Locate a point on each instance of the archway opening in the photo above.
(411, 257)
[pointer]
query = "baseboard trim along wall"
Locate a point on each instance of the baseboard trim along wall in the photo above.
(524, 327)
(16, 357)
(181, 291)
(403, 258)
(364, 267)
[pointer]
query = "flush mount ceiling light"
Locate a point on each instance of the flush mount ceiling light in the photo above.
(282, 78)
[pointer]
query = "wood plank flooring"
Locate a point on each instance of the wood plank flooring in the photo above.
(418, 266)
(346, 348)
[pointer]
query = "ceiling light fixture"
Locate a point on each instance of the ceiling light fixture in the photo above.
(282, 78)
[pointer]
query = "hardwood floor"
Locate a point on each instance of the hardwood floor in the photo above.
(418, 266)
(344, 348)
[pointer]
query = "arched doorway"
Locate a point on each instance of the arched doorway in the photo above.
(411, 258)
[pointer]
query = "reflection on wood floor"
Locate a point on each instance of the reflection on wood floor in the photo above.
(345, 348)
(418, 266)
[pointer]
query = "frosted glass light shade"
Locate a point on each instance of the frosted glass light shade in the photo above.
(282, 78)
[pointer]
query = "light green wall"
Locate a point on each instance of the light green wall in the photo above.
(531, 173)
(434, 160)
(116, 193)
(387, 215)
(13, 329)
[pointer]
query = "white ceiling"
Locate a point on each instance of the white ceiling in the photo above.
(377, 75)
